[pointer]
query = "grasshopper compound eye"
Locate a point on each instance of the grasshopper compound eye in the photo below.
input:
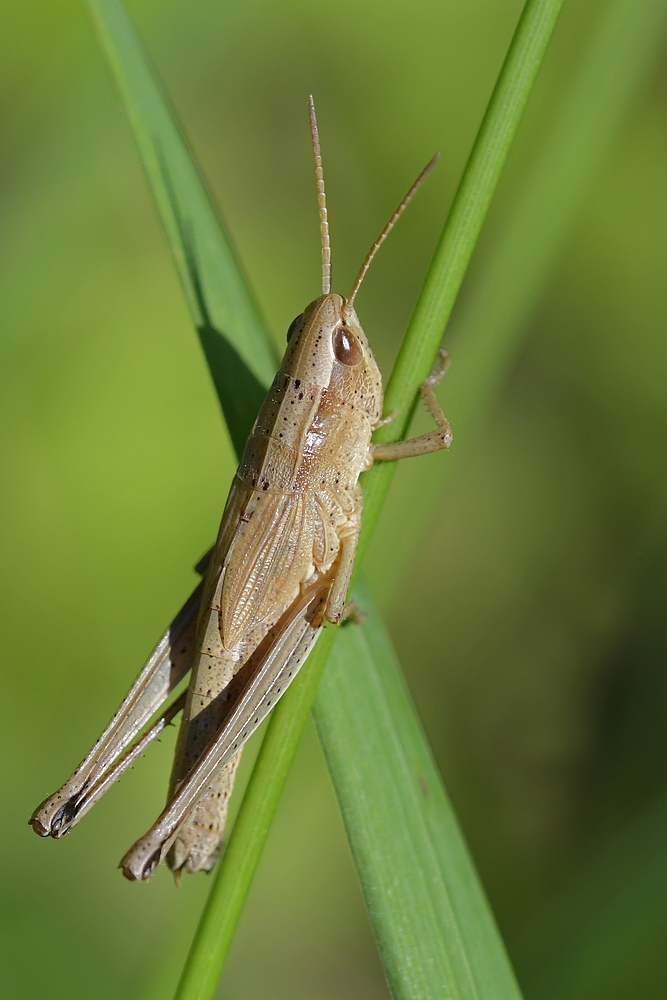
(346, 347)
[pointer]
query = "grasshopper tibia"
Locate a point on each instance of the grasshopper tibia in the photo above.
(425, 443)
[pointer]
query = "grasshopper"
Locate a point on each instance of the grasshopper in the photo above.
(279, 570)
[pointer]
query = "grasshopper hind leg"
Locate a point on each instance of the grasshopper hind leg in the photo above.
(200, 840)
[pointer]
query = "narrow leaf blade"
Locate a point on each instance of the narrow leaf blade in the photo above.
(435, 932)
(425, 941)
(493, 320)
(232, 333)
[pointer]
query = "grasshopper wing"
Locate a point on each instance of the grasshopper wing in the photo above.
(267, 561)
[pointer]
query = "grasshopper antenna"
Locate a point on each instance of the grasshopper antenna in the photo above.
(321, 200)
(390, 225)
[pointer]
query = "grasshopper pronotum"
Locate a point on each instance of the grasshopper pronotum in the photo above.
(280, 567)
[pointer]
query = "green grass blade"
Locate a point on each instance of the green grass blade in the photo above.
(486, 333)
(232, 333)
(224, 310)
(432, 312)
(471, 203)
(449, 961)
(625, 43)
(434, 930)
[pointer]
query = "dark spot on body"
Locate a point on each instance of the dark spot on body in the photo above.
(150, 865)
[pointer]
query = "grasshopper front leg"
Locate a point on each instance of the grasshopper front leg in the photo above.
(337, 609)
(425, 443)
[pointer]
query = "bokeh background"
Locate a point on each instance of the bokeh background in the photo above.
(523, 581)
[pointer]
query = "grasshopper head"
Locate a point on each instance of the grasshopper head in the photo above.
(326, 345)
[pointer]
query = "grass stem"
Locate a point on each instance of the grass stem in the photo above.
(478, 183)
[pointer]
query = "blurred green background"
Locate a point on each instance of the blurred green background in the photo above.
(524, 585)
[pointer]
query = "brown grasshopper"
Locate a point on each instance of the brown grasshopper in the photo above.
(279, 569)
